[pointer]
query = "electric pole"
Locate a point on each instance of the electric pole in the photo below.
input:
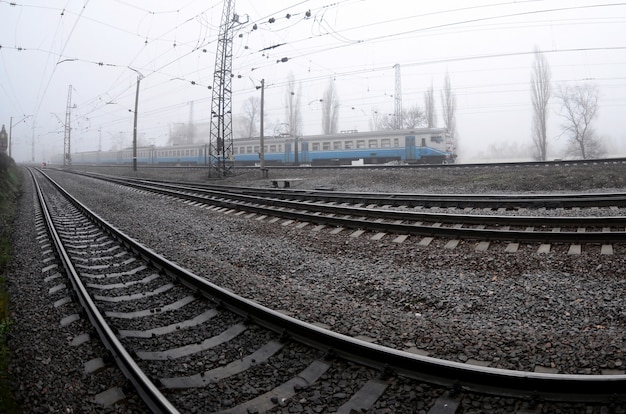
(398, 99)
(67, 157)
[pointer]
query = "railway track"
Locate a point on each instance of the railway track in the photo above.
(159, 312)
(395, 214)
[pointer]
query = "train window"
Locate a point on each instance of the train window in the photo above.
(316, 146)
(360, 143)
(235, 150)
(249, 150)
(385, 143)
(337, 145)
(396, 142)
(372, 143)
(272, 148)
(280, 147)
(325, 146)
(436, 138)
(348, 144)
(257, 149)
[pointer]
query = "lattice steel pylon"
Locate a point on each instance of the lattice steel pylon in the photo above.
(67, 155)
(221, 157)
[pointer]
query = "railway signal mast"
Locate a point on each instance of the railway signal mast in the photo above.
(221, 157)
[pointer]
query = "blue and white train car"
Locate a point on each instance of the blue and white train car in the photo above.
(427, 145)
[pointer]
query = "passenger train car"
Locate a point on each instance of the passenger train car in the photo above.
(418, 146)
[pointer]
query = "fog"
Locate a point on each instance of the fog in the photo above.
(89, 54)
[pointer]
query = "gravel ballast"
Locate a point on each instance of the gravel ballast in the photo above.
(525, 311)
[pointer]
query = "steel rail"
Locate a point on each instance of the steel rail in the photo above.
(496, 201)
(519, 384)
(350, 218)
(146, 389)
(503, 165)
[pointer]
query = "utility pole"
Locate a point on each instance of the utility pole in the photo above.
(11, 124)
(190, 127)
(135, 125)
(32, 146)
(262, 136)
(398, 98)
(67, 157)
(9, 140)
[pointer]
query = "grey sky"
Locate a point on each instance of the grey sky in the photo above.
(486, 46)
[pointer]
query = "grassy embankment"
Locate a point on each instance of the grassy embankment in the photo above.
(9, 192)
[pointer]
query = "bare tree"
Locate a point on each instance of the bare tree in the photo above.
(330, 109)
(429, 107)
(292, 107)
(251, 115)
(448, 103)
(375, 120)
(541, 92)
(383, 122)
(579, 108)
(413, 118)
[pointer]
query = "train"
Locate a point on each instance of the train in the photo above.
(415, 146)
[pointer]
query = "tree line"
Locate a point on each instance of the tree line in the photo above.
(578, 107)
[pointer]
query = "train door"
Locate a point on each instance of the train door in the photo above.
(288, 157)
(304, 152)
(409, 148)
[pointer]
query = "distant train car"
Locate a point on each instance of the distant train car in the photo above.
(182, 155)
(418, 146)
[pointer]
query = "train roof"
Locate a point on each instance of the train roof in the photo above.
(353, 135)
(377, 134)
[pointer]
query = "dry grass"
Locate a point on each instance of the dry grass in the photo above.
(9, 193)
